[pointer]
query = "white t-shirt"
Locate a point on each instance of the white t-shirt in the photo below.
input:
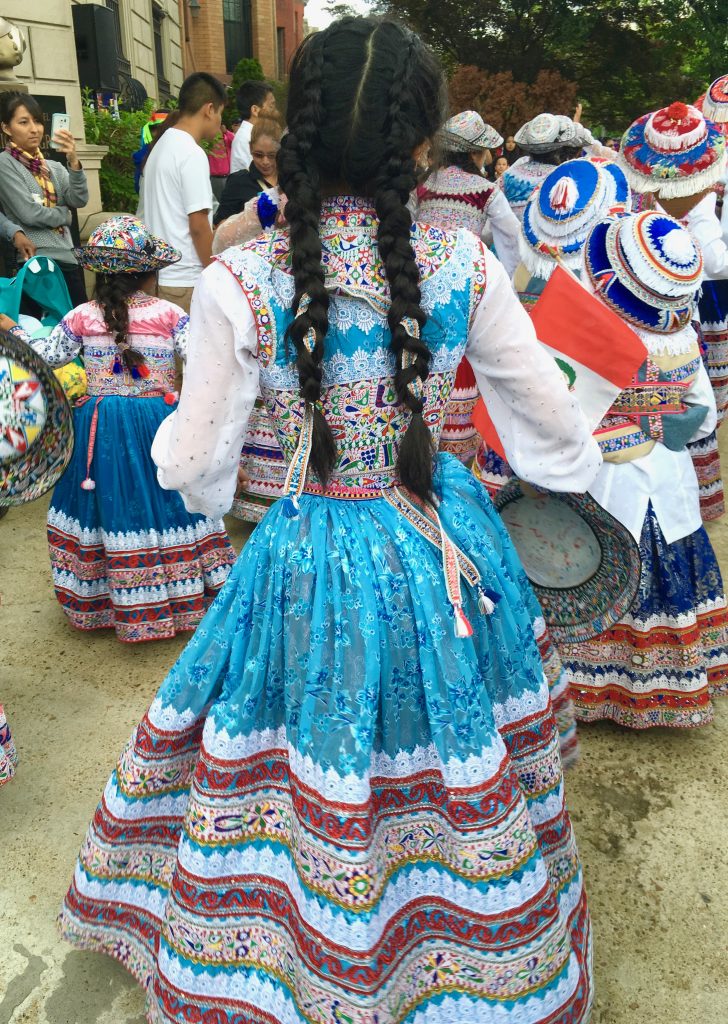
(240, 154)
(176, 183)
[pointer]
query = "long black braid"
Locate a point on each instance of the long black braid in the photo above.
(363, 94)
(311, 300)
(112, 292)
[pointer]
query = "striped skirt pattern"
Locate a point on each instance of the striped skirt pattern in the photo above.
(663, 663)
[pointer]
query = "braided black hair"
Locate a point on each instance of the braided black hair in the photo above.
(363, 94)
(112, 292)
(465, 161)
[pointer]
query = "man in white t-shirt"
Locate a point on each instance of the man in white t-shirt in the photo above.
(176, 193)
(254, 100)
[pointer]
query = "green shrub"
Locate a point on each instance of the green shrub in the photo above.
(123, 137)
(250, 70)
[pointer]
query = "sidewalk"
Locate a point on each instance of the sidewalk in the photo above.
(649, 812)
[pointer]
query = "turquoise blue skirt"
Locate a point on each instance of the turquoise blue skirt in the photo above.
(337, 810)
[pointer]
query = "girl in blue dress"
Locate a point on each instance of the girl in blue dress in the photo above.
(346, 802)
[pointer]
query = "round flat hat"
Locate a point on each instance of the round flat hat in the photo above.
(583, 565)
(36, 424)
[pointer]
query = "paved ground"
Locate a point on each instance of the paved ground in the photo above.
(649, 810)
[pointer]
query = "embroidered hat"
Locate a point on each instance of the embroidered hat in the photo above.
(468, 132)
(673, 151)
(715, 101)
(584, 566)
(563, 210)
(647, 268)
(124, 245)
(547, 132)
(36, 424)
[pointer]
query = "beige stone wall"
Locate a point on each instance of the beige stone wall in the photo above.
(49, 67)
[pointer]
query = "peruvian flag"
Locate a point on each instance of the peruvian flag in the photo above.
(597, 352)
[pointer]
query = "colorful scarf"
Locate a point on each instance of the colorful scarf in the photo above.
(39, 169)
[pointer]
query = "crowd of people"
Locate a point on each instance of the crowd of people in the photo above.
(346, 801)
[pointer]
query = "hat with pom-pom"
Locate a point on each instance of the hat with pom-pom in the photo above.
(561, 213)
(467, 132)
(647, 268)
(673, 151)
(715, 101)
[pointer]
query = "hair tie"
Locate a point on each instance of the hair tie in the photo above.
(411, 326)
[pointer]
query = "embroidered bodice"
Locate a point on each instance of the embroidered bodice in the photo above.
(359, 399)
(521, 180)
(237, 350)
(157, 329)
(453, 198)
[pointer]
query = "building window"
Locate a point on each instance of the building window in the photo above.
(124, 65)
(158, 17)
(238, 32)
(281, 40)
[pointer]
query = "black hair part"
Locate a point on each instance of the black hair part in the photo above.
(559, 156)
(363, 94)
(12, 101)
(249, 95)
(199, 89)
(112, 292)
(464, 161)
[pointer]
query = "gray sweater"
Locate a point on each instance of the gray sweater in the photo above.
(21, 198)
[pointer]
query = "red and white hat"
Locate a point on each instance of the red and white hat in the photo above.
(715, 101)
(674, 151)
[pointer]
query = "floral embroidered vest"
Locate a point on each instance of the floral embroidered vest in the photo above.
(359, 398)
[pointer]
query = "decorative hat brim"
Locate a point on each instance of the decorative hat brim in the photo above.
(672, 175)
(112, 260)
(488, 139)
(662, 319)
(583, 564)
(540, 256)
(30, 473)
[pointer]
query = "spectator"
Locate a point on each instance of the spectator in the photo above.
(176, 194)
(511, 151)
(219, 160)
(501, 166)
(242, 186)
(39, 194)
(254, 100)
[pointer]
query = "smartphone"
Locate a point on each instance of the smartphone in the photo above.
(59, 121)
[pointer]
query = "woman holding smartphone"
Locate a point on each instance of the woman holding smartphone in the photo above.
(39, 194)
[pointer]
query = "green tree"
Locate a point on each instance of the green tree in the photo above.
(627, 56)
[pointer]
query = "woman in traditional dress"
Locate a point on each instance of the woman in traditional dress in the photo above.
(36, 440)
(666, 660)
(558, 217)
(679, 157)
(547, 140)
(126, 554)
(457, 195)
(346, 801)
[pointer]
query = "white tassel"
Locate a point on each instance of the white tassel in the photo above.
(463, 629)
(564, 195)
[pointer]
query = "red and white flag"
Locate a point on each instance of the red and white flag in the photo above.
(597, 351)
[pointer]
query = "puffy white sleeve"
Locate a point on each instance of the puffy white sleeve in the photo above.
(197, 448)
(506, 229)
(706, 229)
(544, 433)
(63, 343)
